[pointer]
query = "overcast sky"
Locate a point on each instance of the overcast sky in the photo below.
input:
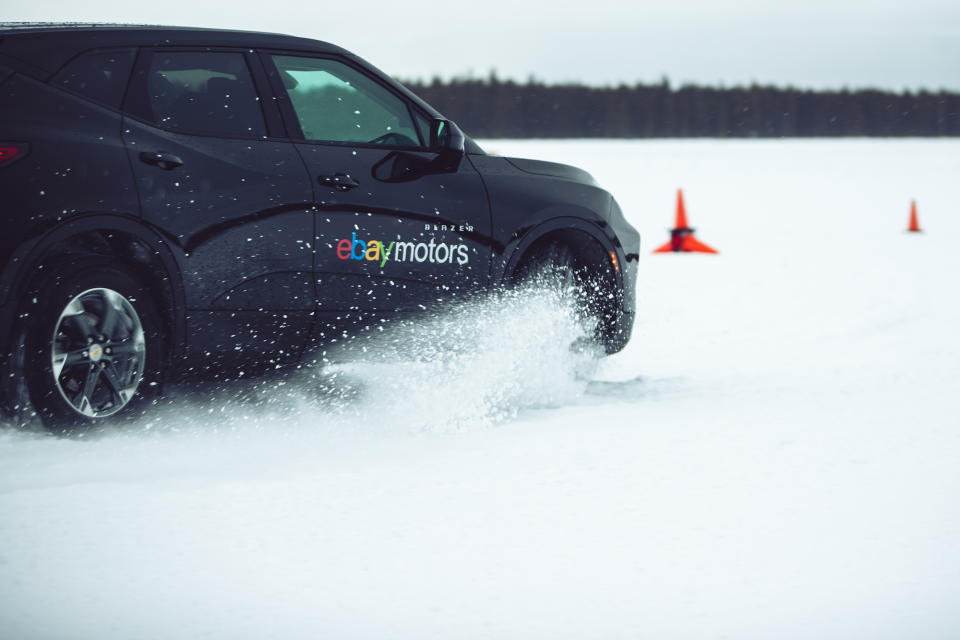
(810, 43)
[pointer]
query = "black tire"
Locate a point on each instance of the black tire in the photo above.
(588, 284)
(93, 345)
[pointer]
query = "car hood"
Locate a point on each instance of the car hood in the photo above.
(554, 169)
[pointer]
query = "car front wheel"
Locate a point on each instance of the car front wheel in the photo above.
(583, 281)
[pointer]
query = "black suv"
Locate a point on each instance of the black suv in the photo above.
(182, 202)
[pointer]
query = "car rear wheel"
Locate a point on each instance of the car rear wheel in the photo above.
(93, 346)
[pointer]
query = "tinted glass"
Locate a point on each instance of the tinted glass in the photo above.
(423, 126)
(337, 103)
(205, 93)
(98, 75)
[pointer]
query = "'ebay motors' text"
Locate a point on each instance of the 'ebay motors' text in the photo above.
(377, 251)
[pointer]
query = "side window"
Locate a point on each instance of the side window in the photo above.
(205, 93)
(98, 75)
(423, 126)
(336, 103)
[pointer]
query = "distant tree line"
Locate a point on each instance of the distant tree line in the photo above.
(494, 108)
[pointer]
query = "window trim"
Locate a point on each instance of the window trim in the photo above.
(136, 101)
(292, 122)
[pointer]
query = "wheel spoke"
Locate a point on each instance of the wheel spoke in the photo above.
(75, 308)
(84, 324)
(120, 394)
(69, 359)
(83, 400)
(111, 314)
(125, 349)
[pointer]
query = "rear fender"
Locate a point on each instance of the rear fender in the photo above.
(28, 261)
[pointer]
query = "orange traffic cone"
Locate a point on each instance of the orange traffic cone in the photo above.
(914, 223)
(681, 236)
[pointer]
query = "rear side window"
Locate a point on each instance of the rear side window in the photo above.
(98, 75)
(203, 93)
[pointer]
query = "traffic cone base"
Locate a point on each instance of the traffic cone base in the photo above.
(666, 248)
(682, 239)
(692, 244)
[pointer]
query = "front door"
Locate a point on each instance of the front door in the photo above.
(395, 229)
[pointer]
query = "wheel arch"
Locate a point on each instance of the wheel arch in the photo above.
(116, 236)
(585, 239)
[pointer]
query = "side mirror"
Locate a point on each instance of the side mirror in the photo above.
(445, 136)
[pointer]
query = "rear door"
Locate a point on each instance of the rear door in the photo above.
(395, 230)
(231, 194)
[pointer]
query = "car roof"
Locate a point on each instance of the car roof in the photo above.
(48, 46)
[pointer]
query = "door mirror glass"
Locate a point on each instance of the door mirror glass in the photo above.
(445, 135)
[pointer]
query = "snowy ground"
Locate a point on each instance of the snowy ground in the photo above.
(775, 455)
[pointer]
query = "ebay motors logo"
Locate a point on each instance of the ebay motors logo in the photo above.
(377, 251)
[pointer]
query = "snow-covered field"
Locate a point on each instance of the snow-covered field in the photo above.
(775, 455)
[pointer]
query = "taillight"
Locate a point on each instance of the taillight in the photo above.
(10, 151)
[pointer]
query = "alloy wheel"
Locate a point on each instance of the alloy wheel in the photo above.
(98, 352)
